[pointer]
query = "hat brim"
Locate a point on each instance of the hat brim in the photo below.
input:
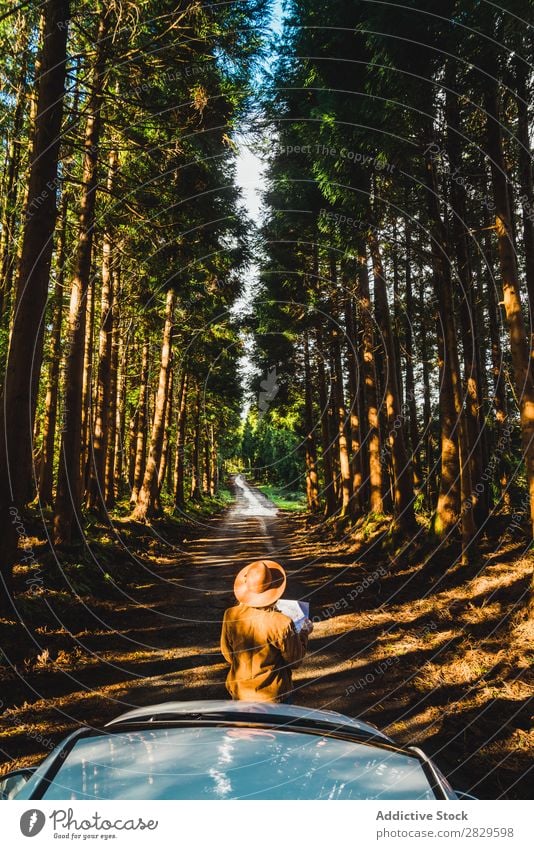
(266, 598)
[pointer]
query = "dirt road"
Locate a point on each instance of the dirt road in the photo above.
(414, 664)
(161, 642)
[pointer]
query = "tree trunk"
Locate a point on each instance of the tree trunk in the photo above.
(454, 501)
(526, 182)
(33, 108)
(26, 344)
(8, 239)
(413, 429)
(376, 504)
(363, 453)
(114, 420)
(523, 379)
(68, 497)
(396, 322)
(195, 458)
(87, 385)
(353, 371)
(206, 471)
(141, 423)
(179, 467)
(499, 397)
(403, 497)
(166, 434)
(333, 426)
(169, 472)
(431, 483)
(146, 500)
(46, 477)
(326, 439)
(447, 512)
(342, 426)
(341, 418)
(120, 427)
(96, 495)
(470, 340)
(214, 475)
(312, 478)
(132, 448)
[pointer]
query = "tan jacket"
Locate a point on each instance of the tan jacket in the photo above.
(261, 645)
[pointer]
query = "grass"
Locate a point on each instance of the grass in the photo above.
(208, 506)
(283, 498)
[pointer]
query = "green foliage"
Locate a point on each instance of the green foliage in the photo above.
(285, 499)
(271, 450)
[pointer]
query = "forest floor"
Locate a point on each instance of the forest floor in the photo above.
(435, 657)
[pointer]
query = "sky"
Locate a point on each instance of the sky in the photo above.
(250, 178)
(250, 169)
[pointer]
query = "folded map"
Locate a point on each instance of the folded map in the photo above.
(298, 611)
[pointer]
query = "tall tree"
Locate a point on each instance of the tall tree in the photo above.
(146, 500)
(19, 393)
(102, 416)
(403, 478)
(519, 348)
(69, 486)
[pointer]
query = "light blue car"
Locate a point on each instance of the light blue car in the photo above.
(230, 750)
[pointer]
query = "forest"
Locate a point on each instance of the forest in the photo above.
(361, 349)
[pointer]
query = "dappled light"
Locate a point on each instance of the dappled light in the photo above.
(267, 394)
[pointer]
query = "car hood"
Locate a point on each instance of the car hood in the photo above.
(239, 710)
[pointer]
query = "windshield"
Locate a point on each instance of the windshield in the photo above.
(234, 763)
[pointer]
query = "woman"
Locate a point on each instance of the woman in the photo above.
(260, 643)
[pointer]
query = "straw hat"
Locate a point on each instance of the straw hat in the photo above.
(260, 584)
